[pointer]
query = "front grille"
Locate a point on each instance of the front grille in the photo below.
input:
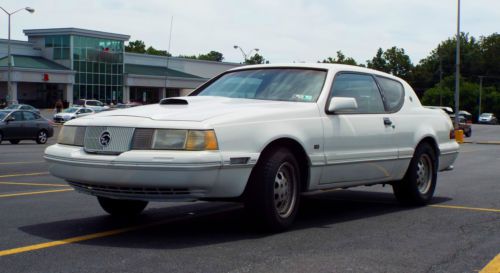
(150, 191)
(108, 140)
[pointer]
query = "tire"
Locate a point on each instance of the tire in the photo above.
(469, 133)
(419, 183)
(122, 208)
(42, 137)
(1, 137)
(273, 193)
(14, 141)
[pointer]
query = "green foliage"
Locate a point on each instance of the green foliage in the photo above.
(394, 61)
(139, 46)
(256, 59)
(341, 59)
(211, 56)
(378, 62)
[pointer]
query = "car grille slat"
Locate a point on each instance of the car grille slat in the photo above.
(120, 139)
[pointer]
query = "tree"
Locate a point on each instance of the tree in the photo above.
(341, 59)
(378, 62)
(398, 63)
(152, 51)
(256, 59)
(136, 46)
(211, 56)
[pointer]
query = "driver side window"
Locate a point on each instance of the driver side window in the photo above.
(361, 87)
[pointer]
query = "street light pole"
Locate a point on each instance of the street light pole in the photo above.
(457, 69)
(245, 55)
(9, 57)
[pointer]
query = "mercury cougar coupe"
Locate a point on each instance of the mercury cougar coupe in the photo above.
(262, 135)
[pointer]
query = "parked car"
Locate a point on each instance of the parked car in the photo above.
(262, 135)
(72, 113)
(463, 122)
(95, 105)
(22, 107)
(487, 118)
(20, 125)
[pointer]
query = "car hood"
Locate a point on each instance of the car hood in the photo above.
(205, 108)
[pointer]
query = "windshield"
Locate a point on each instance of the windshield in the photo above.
(71, 110)
(284, 84)
(13, 106)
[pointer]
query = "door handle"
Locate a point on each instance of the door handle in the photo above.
(387, 122)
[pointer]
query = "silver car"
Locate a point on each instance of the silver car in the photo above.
(72, 113)
(487, 118)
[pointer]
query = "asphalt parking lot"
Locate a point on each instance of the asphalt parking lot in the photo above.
(47, 227)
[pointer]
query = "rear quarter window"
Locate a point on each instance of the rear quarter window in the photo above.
(393, 93)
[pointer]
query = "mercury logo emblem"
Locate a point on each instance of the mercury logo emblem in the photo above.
(105, 139)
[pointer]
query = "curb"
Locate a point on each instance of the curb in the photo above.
(494, 142)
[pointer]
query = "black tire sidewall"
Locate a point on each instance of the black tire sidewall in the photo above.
(407, 190)
(260, 197)
(122, 208)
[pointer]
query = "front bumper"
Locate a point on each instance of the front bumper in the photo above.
(150, 175)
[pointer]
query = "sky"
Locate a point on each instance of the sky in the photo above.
(283, 30)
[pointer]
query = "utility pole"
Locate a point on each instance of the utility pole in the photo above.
(457, 69)
(480, 91)
(440, 81)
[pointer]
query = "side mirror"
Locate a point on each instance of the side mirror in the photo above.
(342, 103)
(10, 118)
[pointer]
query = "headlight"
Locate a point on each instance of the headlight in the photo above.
(71, 135)
(191, 140)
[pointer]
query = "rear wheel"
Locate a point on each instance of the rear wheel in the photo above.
(419, 183)
(14, 141)
(273, 193)
(41, 137)
(1, 137)
(468, 133)
(122, 208)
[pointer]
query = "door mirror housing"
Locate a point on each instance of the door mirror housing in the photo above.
(10, 118)
(342, 103)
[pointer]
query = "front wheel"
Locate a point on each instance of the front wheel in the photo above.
(419, 183)
(273, 193)
(122, 208)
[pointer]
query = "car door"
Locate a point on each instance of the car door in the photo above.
(14, 128)
(359, 143)
(31, 124)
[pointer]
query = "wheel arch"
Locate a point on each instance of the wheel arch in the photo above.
(432, 142)
(297, 150)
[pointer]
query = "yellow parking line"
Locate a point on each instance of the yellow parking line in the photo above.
(493, 266)
(464, 208)
(33, 184)
(22, 174)
(103, 234)
(32, 193)
(21, 162)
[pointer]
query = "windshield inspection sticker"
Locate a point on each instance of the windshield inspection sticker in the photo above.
(303, 97)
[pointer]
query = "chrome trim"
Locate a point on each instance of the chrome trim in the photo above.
(134, 165)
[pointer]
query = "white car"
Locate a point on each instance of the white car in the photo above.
(72, 113)
(95, 105)
(263, 135)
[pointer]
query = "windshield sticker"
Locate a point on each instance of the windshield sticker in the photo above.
(302, 97)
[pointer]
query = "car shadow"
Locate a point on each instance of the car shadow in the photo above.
(202, 223)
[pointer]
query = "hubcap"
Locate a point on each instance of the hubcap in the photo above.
(424, 173)
(284, 190)
(42, 137)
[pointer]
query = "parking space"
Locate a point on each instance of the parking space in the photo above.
(46, 226)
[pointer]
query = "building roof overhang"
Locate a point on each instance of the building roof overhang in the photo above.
(76, 31)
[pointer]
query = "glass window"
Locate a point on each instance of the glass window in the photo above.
(29, 116)
(49, 41)
(269, 84)
(65, 53)
(18, 115)
(361, 87)
(393, 92)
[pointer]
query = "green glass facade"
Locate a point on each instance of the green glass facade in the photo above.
(98, 64)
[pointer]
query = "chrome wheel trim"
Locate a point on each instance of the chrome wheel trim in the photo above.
(425, 169)
(42, 137)
(284, 190)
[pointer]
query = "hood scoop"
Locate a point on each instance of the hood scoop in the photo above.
(173, 101)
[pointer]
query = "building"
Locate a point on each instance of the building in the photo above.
(72, 64)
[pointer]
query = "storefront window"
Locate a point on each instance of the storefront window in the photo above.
(99, 63)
